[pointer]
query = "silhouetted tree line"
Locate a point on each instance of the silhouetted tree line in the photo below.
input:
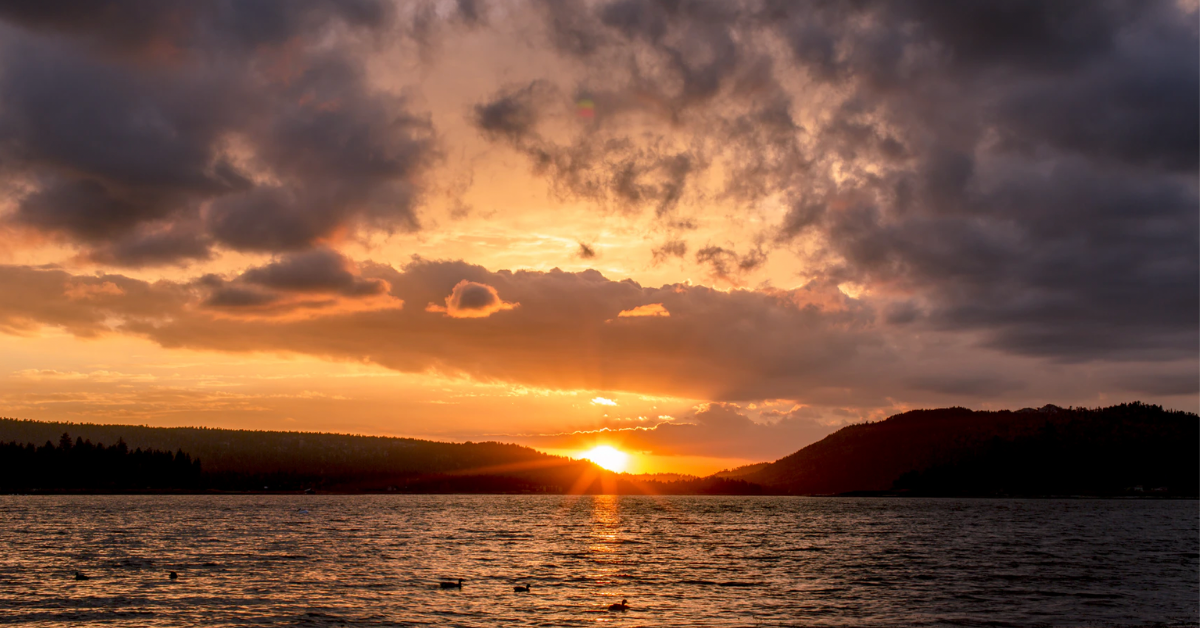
(266, 455)
(81, 465)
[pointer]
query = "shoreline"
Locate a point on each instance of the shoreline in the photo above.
(854, 495)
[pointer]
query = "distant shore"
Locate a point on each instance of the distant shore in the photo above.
(854, 494)
(1126, 451)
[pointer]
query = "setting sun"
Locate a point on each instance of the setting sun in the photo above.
(608, 457)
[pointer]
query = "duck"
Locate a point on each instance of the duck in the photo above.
(451, 585)
(173, 576)
(622, 607)
(79, 576)
(520, 589)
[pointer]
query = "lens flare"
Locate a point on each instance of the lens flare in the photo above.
(607, 457)
(585, 108)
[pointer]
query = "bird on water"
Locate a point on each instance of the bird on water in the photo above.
(79, 576)
(173, 576)
(451, 585)
(623, 606)
(520, 589)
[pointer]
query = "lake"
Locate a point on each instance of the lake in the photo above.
(316, 560)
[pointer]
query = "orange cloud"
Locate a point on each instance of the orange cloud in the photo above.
(650, 309)
(90, 291)
(472, 300)
(740, 344)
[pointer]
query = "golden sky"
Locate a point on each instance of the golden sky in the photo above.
(705, 233)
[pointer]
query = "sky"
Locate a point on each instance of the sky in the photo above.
(703, 233)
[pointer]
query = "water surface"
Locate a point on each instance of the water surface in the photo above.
(680, 561)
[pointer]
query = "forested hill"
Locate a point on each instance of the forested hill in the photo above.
(1125, 449)
(262, 452)
(254, 460)
(1121, 450)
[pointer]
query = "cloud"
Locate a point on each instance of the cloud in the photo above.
(76, 292)
(1024, 171)
(1009, 187)
(673, 248)
(813, 346)
(297, 283)
(513, 114)
(728, 266)
(739, 344)
(650, 309)
(318, 270)
(149, 133)
(472, 300)
(975, 387)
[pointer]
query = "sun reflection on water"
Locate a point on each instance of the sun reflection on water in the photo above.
(609, 562)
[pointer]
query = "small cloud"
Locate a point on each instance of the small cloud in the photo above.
(651, 309)
(601, 401)
(471, 300)
(586, 251)
(674, 248)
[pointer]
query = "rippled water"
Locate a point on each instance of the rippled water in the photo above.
(684, 561)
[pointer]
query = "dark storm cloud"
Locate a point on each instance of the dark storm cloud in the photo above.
(123, 120)
(1026, 169)
(319, 270)
(177, 243)
(472, 12)
(315, 279)
(134, 25)
(240, 297)
(619, 174)
(1021, 171)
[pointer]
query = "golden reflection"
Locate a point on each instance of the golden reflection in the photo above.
(606, 524)
(609, 562)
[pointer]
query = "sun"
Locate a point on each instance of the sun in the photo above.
(608, 457)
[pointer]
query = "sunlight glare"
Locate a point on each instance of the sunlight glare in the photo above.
(607, 457)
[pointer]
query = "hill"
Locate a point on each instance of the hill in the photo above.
(241, 460)
(956, 451)
(1128, 449)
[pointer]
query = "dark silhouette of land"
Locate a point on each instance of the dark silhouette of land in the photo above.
(82, 465)
(1130, 449)
(956, 451)
(245, 460)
